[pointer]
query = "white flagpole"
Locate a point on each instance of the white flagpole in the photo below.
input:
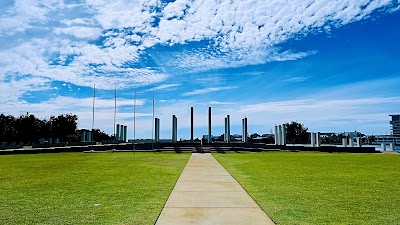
(134, 122)
(94, 97)
(115, 110)
(134, 118)
(152, 129)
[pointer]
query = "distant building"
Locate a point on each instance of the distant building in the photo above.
(205, 136)
(352, 134)
(395, 125)
(236, 136)
(394, 137)
(268, 135)
(386, 139)
(328, 135)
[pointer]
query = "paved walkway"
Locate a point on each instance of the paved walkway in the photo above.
(207, 194)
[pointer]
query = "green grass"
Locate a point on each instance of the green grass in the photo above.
(63, 188)
(319, 188)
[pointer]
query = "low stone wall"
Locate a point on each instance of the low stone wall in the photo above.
(188, 147)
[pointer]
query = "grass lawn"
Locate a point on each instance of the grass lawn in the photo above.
(63, 188)
(320, 188)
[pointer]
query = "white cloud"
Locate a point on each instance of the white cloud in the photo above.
(164, 86)
(296, 79)
(239, 33)
(91, 64)
(69, 102)
(80, 32)
(207, 90)
(311, 105)
(22, 14)
(77, 21)
(220, 103)
(204, 60)
(14, 89)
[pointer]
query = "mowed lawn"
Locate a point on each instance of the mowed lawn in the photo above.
(320, 188)
(64, 188)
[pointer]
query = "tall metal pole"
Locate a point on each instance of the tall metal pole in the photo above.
(191, 125)
(152, 128)
(228, 135)
(134, 118)
(115, 110)
(209, 125)
(94, 96)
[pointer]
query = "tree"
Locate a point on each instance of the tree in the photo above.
(45, 129)
(255, 135)
(268, 140)
(99, 135)
(63, 126)
(296, 133)
(371, 139)
(220, 138)
(7, 128)
(27, 128)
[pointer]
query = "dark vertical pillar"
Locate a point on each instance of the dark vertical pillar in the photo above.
(125, 133)
(118, 133)
(228, 135)
(174, 129)
(191, 125)
(243, 132)
(226, 130)
(245, 129)
(157, 129)
(209, 124)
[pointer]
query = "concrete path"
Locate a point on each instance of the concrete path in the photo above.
(207, 194)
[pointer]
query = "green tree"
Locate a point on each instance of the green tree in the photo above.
(27, 128)
(371, 139)
(255, 135)
(63, 126)
(7, 128)
(99, 135)
(296, 133)
(45, 129)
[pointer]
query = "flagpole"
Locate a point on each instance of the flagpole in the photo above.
(115, 110)
(134, 118)
(94, 97)
(134, 122)
(152, 128)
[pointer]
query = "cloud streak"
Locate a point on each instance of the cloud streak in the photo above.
(164, 87)
(207, 90)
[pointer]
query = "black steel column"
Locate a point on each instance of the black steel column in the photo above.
(209, 124)
(191, 125)
(228, 131)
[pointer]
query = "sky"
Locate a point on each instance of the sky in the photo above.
(331, 65)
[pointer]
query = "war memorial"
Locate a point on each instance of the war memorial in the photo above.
(237, 81)
(121, 143)
(204, 187)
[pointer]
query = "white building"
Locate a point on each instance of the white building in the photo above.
(394, 137)
(386, 139)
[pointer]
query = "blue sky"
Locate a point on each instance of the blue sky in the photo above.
(332, 65)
